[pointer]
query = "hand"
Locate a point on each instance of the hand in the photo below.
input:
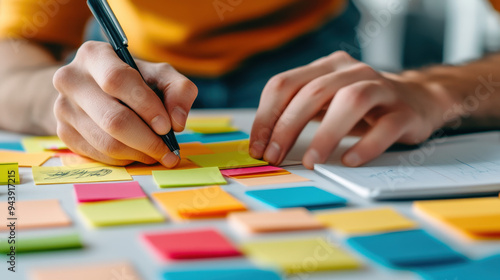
(92, 121)
(349, 98)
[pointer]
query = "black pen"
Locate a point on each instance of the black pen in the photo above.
(110, 25)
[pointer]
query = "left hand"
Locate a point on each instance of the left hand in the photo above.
(350, 98)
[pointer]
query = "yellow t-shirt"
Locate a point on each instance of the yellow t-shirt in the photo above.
(198, 37)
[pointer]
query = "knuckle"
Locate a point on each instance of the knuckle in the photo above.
(114, 121)
(61, 77)
(114, 78)
(340, 56)
(277, 83)
(316, 88)
(362, 68)
(110, 147)
(163, 66)
(61, 108)
(188, 88)
(89, 48)
(156, 148)
(356, 96)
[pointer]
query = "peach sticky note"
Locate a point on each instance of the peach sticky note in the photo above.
(73, 160)
(231, 146)
(34, 214)
(271, 180)
(9, 173)
(209, 202)
(226, 160)
(300, 255)
(269, 221)
(138, 168)
(101, 271)
(93, 172)
(25, 159)
(108, 191)
(365, 221)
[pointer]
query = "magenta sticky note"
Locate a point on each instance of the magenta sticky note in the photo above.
(108, 191)
(249, 170)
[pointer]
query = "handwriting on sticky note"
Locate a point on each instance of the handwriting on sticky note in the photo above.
(93, 172)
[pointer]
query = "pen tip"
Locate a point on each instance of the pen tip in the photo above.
(177, 153)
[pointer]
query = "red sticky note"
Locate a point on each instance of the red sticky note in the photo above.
(108, 191)
(190, 244)
(249, 170)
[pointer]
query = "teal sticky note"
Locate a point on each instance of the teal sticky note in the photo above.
(11, 146)
(405, 249)
(212, 137)
(308, 197)
(218, 274)
(487, 268)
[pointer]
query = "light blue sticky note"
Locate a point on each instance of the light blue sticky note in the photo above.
(308, 197)
(405, 249)
(12, 146)
(218, 274)
(487, 268)
(212, 137)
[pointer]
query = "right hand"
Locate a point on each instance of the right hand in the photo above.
(92, 121)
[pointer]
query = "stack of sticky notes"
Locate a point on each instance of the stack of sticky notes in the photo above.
(92, 172)
(190, 244)
(9, 173)
(113, 204)
(210, 124)
(31, 214)
(43, 243)
(108, 271)
(226, 160)
(207, 138)
(487, 268)
(188, 177)
(222, 273)
(476, 218)
(208, 202)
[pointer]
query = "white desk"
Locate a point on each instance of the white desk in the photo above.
(122, 242)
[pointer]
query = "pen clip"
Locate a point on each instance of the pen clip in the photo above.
(107, 19)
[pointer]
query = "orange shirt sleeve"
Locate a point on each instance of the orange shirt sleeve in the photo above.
(46, 21)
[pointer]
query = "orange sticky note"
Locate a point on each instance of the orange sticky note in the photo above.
(106, 271)
(25, 159)
(208, 202)
(138, 168)
(270, 180)
(34, 214)
(194, 148)
(269, 221)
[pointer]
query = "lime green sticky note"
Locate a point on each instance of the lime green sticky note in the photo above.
(300, 255)
(120, 212)
(9, 173)
(226, 160)
(45, 243)
(188, 177)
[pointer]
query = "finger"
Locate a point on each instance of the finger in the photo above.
(308, 102)
(123, 82)
(348, 107)
(386, 131)
(280, 90)
(178, 91)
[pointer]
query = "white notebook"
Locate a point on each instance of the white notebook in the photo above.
(450, 166)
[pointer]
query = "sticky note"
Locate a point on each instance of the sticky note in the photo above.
(405, 249)
(190, 244)
(222, 273)
(108, 191)
(44, 243)
(365, 221)
(138, 168)
(292, 255)
(93, 172)
(271, 180)
(209, 121)
(226, 160)
(53, 145)
(486, 268)
(9, 173)
(308, 197)
(231, 146)
(34, 144)
(25, 159)
(12, 146)
(101, 271)
(188, 177)
(120, 212)
(250, 170)
(195, 148)
(268, 221)
(34, 214)
(211, 138)
(74, 160)
(209, 202)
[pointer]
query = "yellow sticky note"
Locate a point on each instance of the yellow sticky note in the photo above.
(100, 271)
(138, 168)
(120, 212)
(34, 214)
(194, 148)
(209, 202)
(292, 255)
(9, 173)
(25, 159)
(365, 221)
(93, 172)
(271, 180)
(226, 160)
(208, 121)
(35, 144)
(189, 177)
(231, 146)
(53, 145)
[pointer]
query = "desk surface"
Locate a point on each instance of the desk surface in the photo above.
(122, 242)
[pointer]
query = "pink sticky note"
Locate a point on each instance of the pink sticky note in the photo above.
(190, 244)
(108, 191)
(249, 170)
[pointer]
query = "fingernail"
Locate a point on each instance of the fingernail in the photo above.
(169, 160)
(311, 158)
(352, 159)
(272, 153)
(160, 125)
(257, 149)
(179, 116)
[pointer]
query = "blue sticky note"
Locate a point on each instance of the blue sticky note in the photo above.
(211, 138)
(218, 274)
(405, 249)
(12, 146)
(308, 197)
(487, 268)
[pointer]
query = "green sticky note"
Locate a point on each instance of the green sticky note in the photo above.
(188, 177)
(9, 173)
(120, 212)
(226, 160)
(46, 243)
